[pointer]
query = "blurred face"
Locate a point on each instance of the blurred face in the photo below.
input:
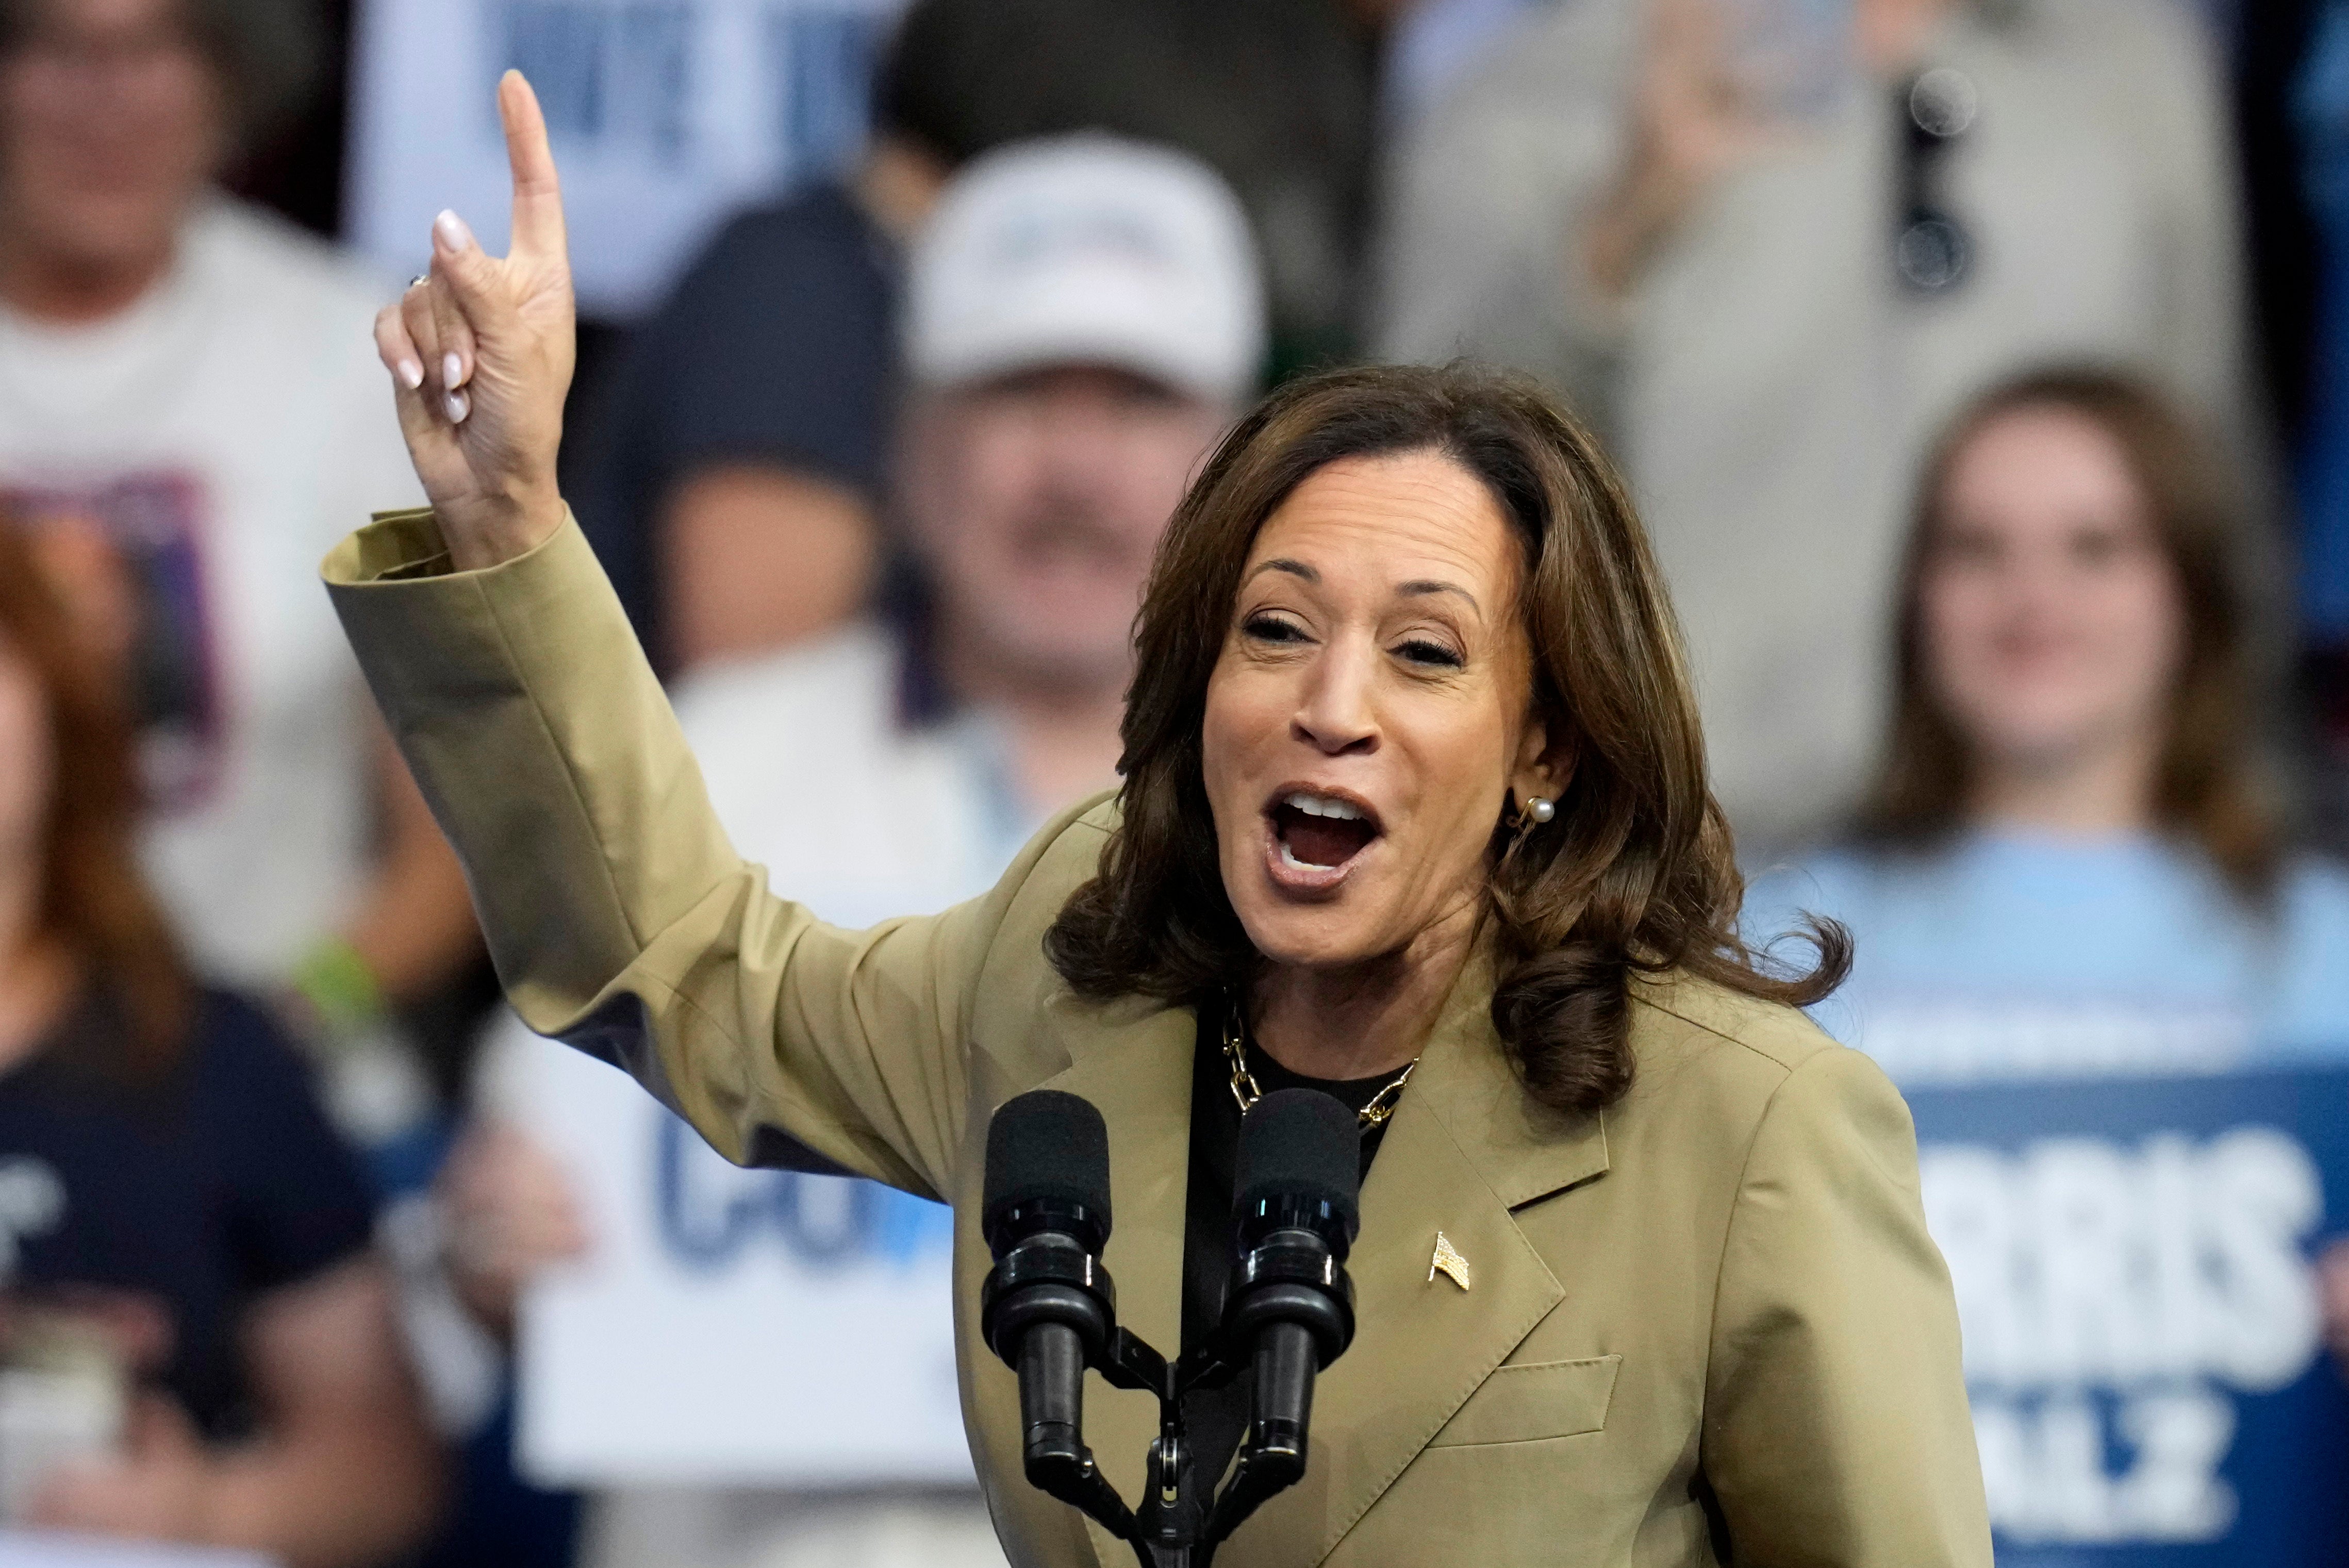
(2051, 621)
(110, 122)
(1037, 500)
(1370, 712)
(27, 760)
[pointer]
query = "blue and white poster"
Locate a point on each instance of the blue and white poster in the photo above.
(665, 116)
(2135, 1269)
(726, 1326)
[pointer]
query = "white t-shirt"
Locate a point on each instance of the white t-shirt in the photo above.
(855, 814)
(222, 434)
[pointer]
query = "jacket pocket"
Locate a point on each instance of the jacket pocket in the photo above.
(1522, 1403)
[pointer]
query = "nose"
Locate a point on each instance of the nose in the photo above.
(1076, 448)
(1336, 715)
(1074, 460)
(2034, 586)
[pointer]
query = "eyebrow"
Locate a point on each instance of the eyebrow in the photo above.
(1418, 587)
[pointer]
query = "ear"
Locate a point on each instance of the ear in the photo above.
(1543, 767)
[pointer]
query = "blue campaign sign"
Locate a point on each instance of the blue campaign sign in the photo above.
(2133, 1261)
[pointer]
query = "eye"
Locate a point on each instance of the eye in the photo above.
(2100, 547)
(1425, 651)
(1967, 549)
(1271, 628)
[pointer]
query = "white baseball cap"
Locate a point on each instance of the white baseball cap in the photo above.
(1088, 250)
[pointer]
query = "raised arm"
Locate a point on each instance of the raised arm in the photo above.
(619, 915)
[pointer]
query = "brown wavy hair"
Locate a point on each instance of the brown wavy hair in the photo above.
(1635, 875)
(2209, 789)
(93, 900)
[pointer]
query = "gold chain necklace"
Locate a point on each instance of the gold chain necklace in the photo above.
(1246, 1091)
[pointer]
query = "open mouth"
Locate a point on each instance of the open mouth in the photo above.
(1319, 832)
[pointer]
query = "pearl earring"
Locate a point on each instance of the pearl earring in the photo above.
(1534, 812)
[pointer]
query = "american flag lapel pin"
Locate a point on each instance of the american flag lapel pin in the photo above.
(1447, 1261)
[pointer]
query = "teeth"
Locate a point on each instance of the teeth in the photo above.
(1288, 858)
(1322, 806)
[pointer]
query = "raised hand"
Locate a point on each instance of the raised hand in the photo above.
(1693, 120)
(480, 354)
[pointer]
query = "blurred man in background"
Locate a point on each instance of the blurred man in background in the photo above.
(1770, 247)
(1084, 318)
(734, 483)
(189, 412)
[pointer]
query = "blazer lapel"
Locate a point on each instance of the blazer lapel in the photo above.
(1466, 1146)
(1135, 1067)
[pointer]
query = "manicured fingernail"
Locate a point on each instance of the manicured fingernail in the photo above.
(452, 371)
(451, 231)
(458, 407)
(411, 373)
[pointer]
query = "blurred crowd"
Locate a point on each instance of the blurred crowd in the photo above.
(1979, 368)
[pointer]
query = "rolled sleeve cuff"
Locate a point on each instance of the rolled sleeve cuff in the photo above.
(406, 546)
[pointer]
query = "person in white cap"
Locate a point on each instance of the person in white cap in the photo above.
(1084, 318)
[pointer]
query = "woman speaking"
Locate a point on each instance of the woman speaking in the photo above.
(1414, 812)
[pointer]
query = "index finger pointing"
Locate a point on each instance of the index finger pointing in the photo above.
(537, 192)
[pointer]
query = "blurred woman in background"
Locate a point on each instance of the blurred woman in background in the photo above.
(184, 1245)
(2069, 862)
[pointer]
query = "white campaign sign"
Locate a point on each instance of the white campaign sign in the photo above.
(666, 115)
(728, 1326)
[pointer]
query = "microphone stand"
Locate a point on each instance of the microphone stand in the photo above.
(1180, 1520)
(1296, 1311)
(1288, 1313)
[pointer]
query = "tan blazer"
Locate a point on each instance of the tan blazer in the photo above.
(1717, 1299)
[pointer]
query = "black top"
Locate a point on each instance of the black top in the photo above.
(778, 345)
(178, 1196)
(1218, 1417)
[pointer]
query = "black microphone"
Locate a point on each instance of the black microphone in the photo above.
(1048, 1306)
(1290, 1308)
